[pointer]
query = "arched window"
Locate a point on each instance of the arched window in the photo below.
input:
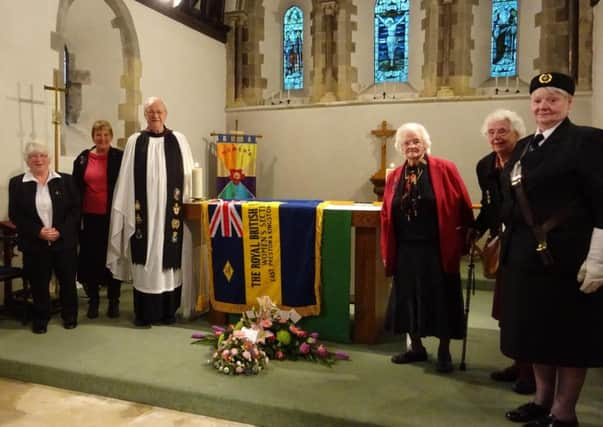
(66, 81)
(293, 47)
(503, 43)
(391, 40)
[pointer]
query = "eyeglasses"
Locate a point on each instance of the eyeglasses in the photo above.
(410, 142)
(498, 132)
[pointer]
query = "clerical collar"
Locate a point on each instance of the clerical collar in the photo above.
(157, 135)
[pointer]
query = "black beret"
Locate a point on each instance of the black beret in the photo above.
(558, 80)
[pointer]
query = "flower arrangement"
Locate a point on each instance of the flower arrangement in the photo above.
(273, 333)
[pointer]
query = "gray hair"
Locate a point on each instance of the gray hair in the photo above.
(33, 148)
(417, 128)
(558, 91)
(151, 100)
(512, 117)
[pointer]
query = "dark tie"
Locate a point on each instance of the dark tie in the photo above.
(535, 141)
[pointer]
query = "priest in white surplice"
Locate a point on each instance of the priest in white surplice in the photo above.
(149, 240)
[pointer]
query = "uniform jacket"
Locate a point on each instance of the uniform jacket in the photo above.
(113, 165)
(564, 171)
(65, 213)
(489, 183)
(453, 209)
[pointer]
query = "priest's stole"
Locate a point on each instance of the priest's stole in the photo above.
(264, 249)
(235, 175)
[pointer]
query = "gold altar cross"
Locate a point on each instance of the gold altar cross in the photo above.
(383, 133)
(56, 117)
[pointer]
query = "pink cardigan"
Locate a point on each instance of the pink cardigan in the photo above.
(453, 210)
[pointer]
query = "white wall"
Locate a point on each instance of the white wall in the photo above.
(183, 66)
(88, 23)
(27, 60)
(327, 152)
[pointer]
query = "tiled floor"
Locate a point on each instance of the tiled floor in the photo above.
(33, 405)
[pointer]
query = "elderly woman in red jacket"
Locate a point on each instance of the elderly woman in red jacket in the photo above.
(425, 215)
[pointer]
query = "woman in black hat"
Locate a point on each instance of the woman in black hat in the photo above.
(552, 254)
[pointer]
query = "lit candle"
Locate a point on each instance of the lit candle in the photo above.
(197, 191)
(507, 82)
(496, 79)
(389, 170)
(516, 83)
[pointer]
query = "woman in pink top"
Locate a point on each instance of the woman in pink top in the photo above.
(95, 172)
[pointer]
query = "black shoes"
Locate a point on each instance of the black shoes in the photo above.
(528, 412)
(113, 309)
(92, 310)
(551, 421)
(444, 364)
(143, 324)
(524, 387)
(38, 328)
(410, 356)
(509, 374)
(72, 324)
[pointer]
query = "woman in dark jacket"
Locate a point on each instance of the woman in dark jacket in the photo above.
(552, 254)
(95, 172)
(44, 206)
(502, 128)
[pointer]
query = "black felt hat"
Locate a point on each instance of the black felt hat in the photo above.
(558, 80)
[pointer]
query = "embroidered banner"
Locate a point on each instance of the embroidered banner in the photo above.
(236, 156)
(264, 249)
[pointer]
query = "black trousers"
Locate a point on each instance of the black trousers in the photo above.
(38, 268)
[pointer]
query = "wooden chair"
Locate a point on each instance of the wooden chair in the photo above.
(16, 303)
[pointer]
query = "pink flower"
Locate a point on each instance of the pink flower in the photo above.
(280, 355)
(315, 335)
(265, 323)
(198, 335)
(218, 329)
(247, 355)
(322, 351)
(297, 331)
(239, 369)
(304, 348)
(234, 351)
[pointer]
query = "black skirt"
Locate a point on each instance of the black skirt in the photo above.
(424, 300)
(546, 319)
(94, 236)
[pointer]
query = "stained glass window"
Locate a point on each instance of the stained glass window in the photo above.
(391, 40)
(504, 38)
(293, 43)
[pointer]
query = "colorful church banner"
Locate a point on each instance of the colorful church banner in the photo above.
(236, 156)
(260, 249)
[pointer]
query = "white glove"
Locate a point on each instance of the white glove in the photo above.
(591, 271)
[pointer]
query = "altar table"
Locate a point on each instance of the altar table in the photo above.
(349, 224)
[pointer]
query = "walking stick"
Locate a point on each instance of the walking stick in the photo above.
(469, 291)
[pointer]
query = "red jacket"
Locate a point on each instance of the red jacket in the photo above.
(453, 210)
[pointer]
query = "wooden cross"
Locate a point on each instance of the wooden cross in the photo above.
(56, 117)
(383, 133)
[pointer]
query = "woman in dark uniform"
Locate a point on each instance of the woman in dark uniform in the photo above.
(425, 215)
(552, 304)
(502, 128)
(44, 205)
(95, 172)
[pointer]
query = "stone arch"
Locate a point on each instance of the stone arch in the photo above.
(132, 67)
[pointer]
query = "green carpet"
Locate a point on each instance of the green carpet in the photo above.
(159, 366)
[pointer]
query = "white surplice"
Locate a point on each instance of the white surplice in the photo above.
(150, 278)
